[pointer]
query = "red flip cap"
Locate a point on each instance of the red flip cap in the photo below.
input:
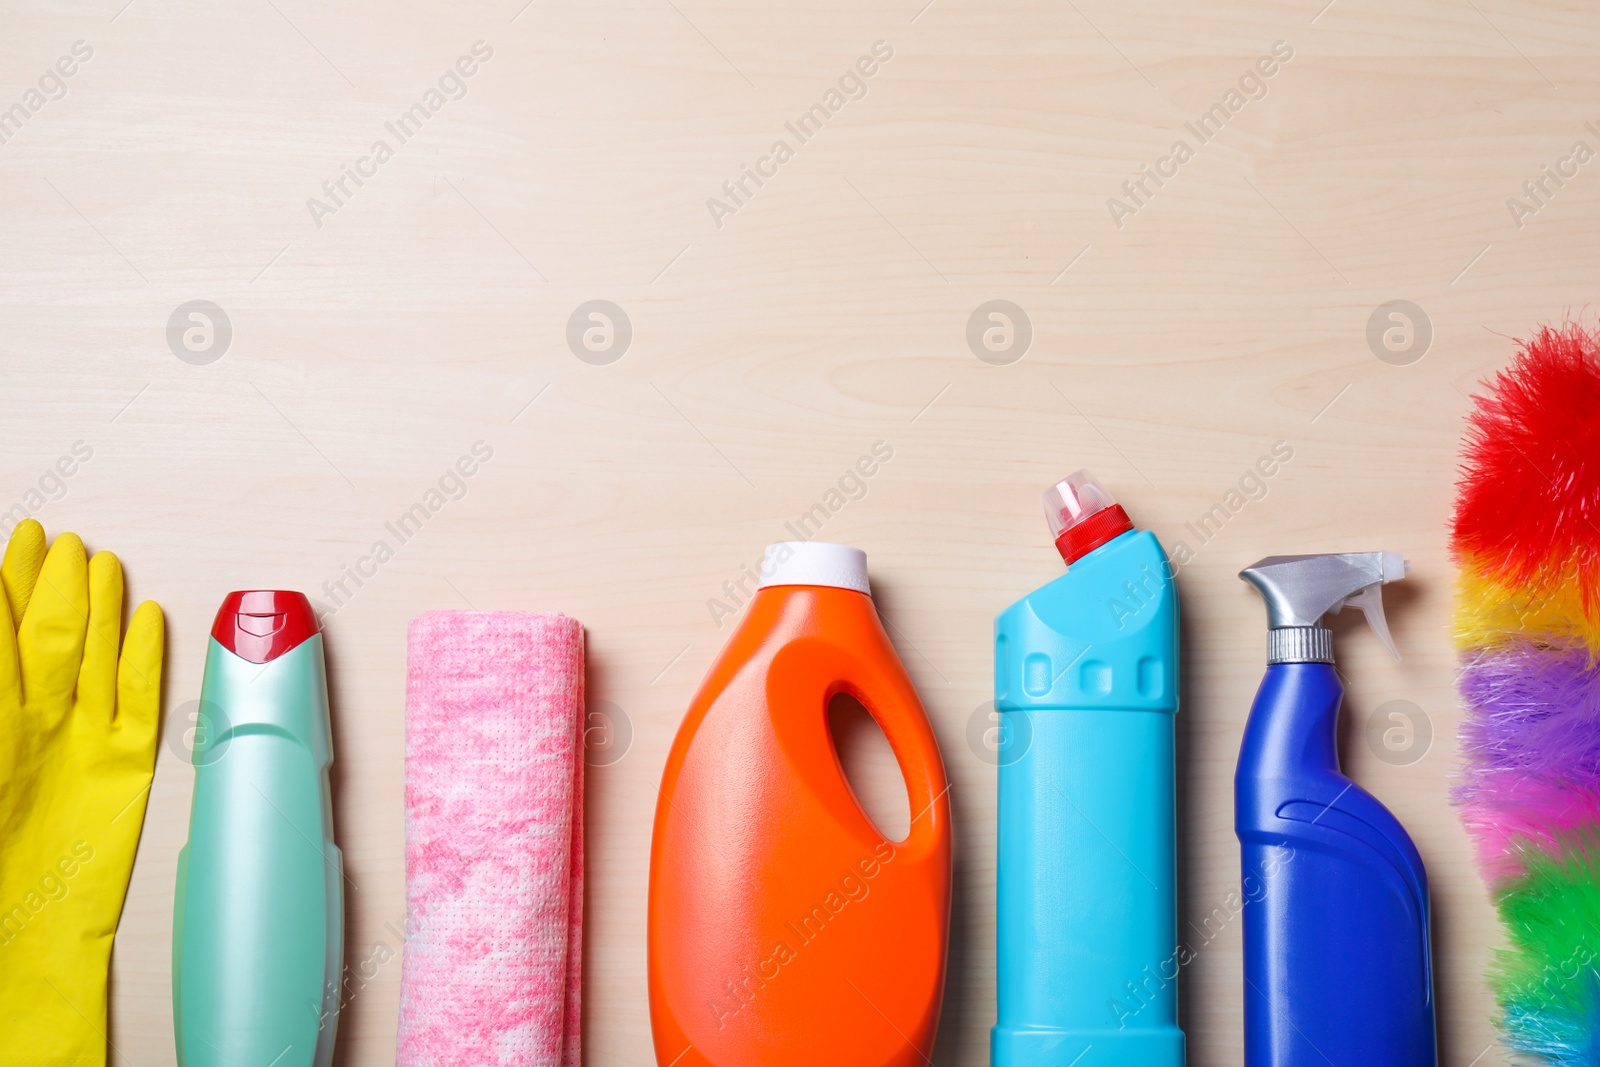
(1077, 541)
(262, 624)
(1082, 515)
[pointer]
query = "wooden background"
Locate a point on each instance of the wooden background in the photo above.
(375, 341)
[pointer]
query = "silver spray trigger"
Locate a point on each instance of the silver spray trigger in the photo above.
(1300, 590)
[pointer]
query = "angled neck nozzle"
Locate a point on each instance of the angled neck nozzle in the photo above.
(1082, 516)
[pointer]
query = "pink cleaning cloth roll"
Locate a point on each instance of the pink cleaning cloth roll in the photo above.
(494, 841)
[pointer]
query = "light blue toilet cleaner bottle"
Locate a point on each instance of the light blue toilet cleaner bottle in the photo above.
(1086, 687)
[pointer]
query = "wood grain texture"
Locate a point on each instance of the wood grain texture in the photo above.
(375, 344)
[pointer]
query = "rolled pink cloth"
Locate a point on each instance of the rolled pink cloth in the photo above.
(494, 841)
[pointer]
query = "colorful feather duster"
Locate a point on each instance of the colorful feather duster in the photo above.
(1527, 538)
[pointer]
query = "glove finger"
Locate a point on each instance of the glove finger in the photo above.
(50, 640)
(10, 673)
(20, 569)
(139, 678)
(97, 679)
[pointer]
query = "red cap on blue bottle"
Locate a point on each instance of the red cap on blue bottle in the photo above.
(262, 624)
(1082, 515)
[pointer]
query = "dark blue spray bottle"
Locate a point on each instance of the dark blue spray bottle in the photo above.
(1337, 963)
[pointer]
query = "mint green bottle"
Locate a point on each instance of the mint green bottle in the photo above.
(258, 923)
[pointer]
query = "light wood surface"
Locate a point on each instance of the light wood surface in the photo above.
(375, 342)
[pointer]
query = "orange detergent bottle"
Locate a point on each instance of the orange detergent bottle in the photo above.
(785, 930)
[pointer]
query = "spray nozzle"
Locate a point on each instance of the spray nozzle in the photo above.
(1300, 590)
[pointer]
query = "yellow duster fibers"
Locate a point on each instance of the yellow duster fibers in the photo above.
(1491, 615)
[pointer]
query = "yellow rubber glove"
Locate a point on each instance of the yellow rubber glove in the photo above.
(78, 720)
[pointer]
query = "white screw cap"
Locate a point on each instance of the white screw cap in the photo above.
(815, 563)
